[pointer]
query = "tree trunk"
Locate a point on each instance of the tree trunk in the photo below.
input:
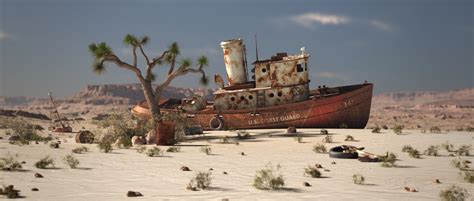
(154, 110)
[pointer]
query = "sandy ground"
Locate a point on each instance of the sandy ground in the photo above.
(109, 176)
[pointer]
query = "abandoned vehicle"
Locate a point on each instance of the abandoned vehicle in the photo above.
(277, 96)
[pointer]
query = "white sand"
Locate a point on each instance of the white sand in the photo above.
(110, 176)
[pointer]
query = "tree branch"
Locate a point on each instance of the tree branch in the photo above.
(173, 62)
(134, 56)
(114, 59)
(181, 71)
(144, 55)
(155, 60)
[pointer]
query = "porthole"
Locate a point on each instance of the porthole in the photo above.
(232, 98)
(264, 70)
(280, 94)
(250, 97)
(242, 98)
(271, 95)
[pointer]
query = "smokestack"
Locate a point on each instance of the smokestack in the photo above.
(234, 59)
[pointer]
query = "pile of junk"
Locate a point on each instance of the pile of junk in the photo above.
(352, 152)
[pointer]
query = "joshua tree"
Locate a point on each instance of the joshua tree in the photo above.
(102, 54)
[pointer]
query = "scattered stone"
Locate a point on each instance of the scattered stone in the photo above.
(36, 142)
(334, 162)
(318, 165)
(14, 138)
(224, 172)
(134, 194)
(242, 153)
(54, 145)
(1, 138)
(451, 155)
(185, 168)
(23, 162)
(436, 181)
(306, 184)
(291, 130)
(34, 189)
(409, 189)
(225, 199)
(324, 132)
(327, 170)
(38, 175)
(211, 168)
(191, 188)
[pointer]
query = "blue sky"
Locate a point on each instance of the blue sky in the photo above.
(399, 45)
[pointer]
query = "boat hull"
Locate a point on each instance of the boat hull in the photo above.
(348, 109)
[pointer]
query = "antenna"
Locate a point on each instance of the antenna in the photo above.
(256, 48)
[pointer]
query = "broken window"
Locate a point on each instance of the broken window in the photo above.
(299, 68)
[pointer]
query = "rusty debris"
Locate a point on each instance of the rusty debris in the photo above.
(276, 95)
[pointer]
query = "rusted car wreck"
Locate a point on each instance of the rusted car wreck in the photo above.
(278, 96)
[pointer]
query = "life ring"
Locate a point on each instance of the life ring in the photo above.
(216, 123)
(339, 152)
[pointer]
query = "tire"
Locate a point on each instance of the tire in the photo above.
(337, 152)
(216, 123)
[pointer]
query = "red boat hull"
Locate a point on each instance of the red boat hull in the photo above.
(349, 108)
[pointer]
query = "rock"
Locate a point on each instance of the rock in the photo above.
(134, 194)
(54, 145)
(38, 175)
(151, 137)
(14, 138)
(224, 172)
(327, 170)
(184, 168)
(324, 132)
(138, 140)
(318, 165)
(34, 189)
(306, 184)
(409, 189)
(1, 138)
(211, 168)
(334, 163)
(242, 153)
(191, 188)
(436, 181)
(23, 162)
(291, 130)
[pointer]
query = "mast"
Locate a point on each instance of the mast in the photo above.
(55, 110)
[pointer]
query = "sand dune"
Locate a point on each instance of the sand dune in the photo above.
(109, 176)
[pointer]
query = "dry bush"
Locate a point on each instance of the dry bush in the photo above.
(10, 192)
(121, 127)
(464, 150)
(388, 160)
(155, 151)
(10, 163)
(349, 138)
(435, 129)
(432, 150)
(327, 139)
(467, 176)
(269, 178)
(71, 161)
(358, 179)
(460, 164)
(414, 153)
(105, 145)
(299, 139)
(459, 128)
(243, 134)
(469, 129)
(173, 149)
(398, 129)
(376, 129)
(407, 148)
(207, 150)
(312, 171)
(453, 193)
(80, 150)
(202, 180)
(320, 149)
(141, 149)
(225, 140)
(447, 146)
(44, 163)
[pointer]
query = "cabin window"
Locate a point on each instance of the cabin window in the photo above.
(242, 98)
(299, 68)
(250, 97)
(280, 94)
(232, 98)
(271, 95)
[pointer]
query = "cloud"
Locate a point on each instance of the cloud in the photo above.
(332, 75)
(310, 20)
(381, 25)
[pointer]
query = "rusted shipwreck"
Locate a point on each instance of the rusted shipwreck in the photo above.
(278, 96)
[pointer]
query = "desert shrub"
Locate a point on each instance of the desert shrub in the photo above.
(225, 140)
(398, 129)
(299, 139)
(460, 164)
(202, 180)
(54, 145)
(358, 179)
(324, 132)
(319, 148)
(155, 151)
(207, 150)
(459, 128)
(243, 134)
(105, 145)
(467, 176)
(469, 129)
(269, 178)
(414, 153)
(312, 171)
(423, 131)
(173, 149)
(388, 160)
(121, 127)
(141, 149)
(10, 163)
(71, 161)
(44, 163)
(435, 129)
(431, 150)
(327, 139)
(349, 138)
(376, 129)
(407, 148)
(447, 146)
(385, 127)
(10, 192)
(453, 193)
(464, 150)
(80, 150)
